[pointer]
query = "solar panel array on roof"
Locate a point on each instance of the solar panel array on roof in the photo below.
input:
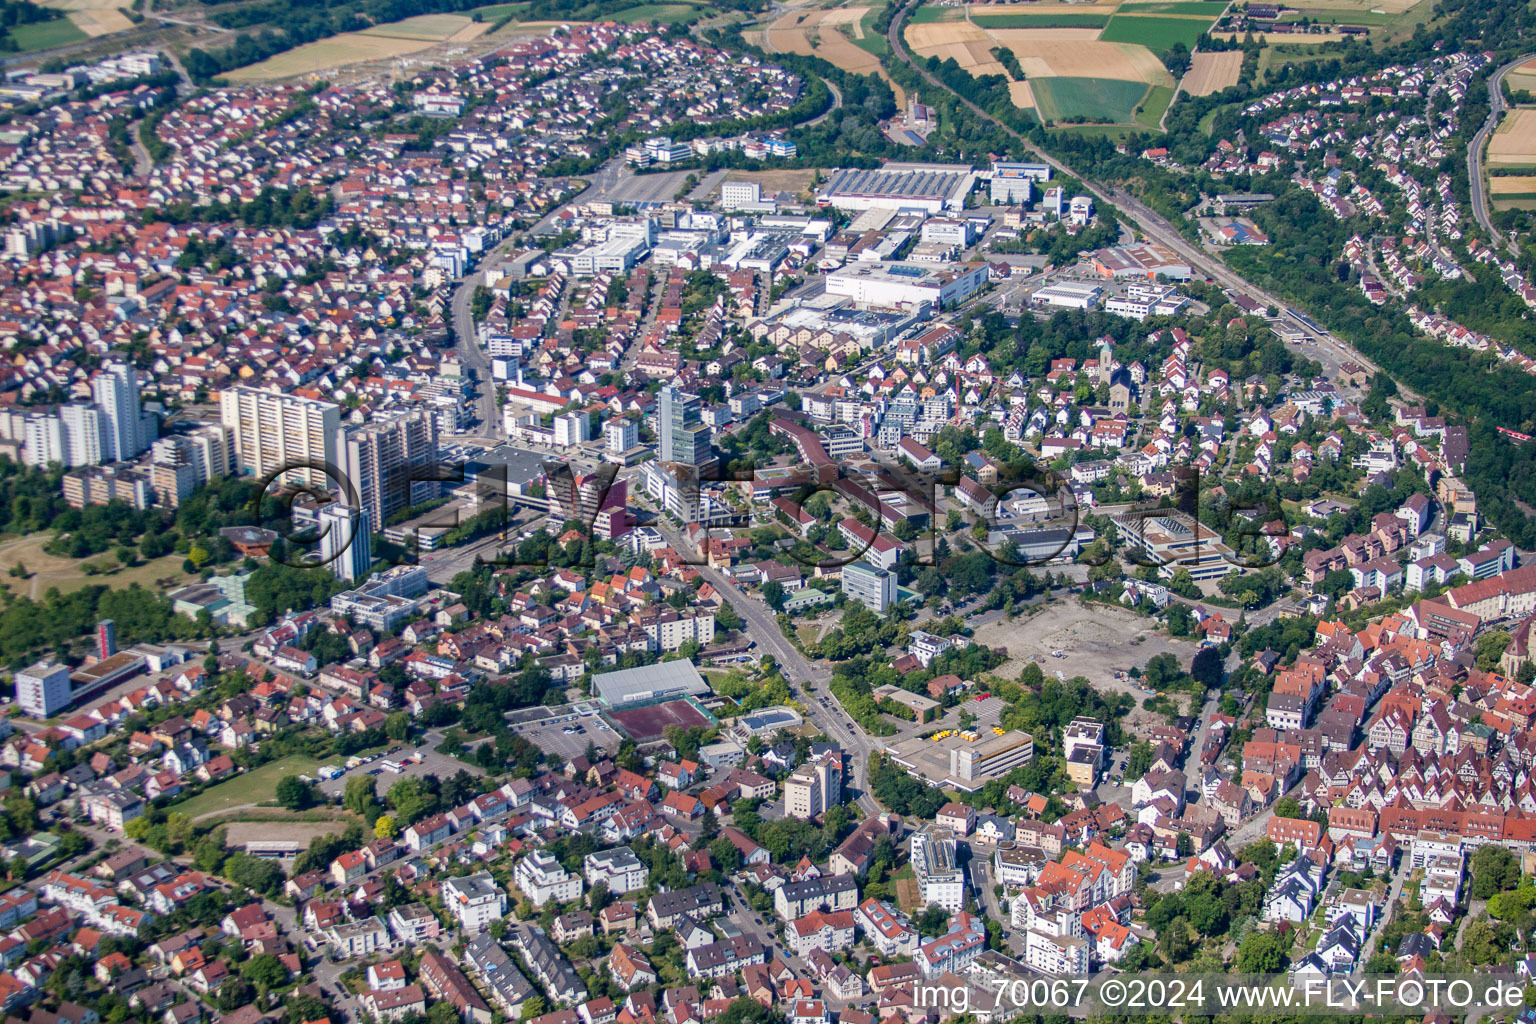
(907, 184)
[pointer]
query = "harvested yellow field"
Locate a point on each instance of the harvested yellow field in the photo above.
(1041, 52)
(1212, 72)
(93, 17)
(1045, 8)
(787, 36)
(1523, 184)
(1078, 53)
(833, 45)
(1522, 79)
(1515, 141)
(1022, 94)
(337, 51)
(1027, 36)
(943, 33)
(838, 16)
(967, 44)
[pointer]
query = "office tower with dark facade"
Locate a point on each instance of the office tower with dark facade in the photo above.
(684, 438)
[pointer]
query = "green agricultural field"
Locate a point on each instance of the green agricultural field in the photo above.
(873, 42)
(662, 14)
(1095, 99)
(1209, 8)
(1334, 16)
(930, 13)
(498, 11)
(1153, 105)
(258, 786)
(1157, 34)
(1041, 20)
(45, 35)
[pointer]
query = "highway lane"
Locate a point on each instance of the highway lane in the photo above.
(1496, 106)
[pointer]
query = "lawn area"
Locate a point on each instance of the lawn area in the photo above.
(1153, 105)
(254, 787)
(1157, 34)
(1094, 99)
(45, 35)
(1041, 20)
(69, 575)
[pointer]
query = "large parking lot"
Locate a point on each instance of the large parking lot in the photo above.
(565, 731)
(432, 763)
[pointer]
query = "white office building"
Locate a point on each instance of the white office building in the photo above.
(872, 587)
(736, 194)
(1015, 182)
(902, 283)
(1068, 295)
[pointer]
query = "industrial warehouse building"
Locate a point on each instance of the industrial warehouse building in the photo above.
(931, 188)
(900, 283)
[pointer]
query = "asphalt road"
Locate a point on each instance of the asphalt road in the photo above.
(762, 625)
(1496, 107)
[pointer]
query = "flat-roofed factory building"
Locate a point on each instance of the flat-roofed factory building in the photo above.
(932, 188)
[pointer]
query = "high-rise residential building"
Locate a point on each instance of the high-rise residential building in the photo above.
(391, 463)
(181, 463)
(279, 433)
(42, 440)
(684, 437)
(116, 390)
(936, 867)
(43, 689)
(346, 543)
(873, 587)
(621, 435)
(87, 434)
(814, 787)
(573, 428)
